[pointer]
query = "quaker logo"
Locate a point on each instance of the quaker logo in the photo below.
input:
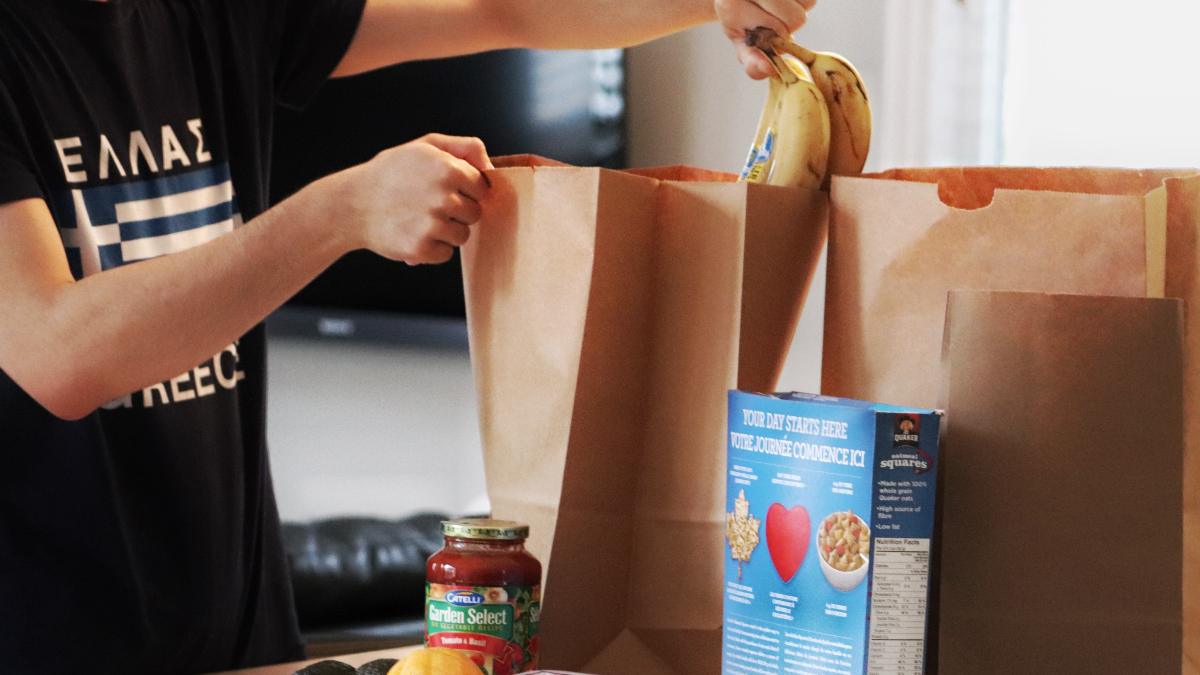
(911, 458)
(907, 431)
(464, 598)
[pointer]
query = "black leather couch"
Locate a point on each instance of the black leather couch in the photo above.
(359, 583)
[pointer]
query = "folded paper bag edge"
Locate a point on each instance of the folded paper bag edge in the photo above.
(672, 172)
(683, 172)
(525, 161)
(970, 188)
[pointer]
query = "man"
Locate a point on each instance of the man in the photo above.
(138, 529)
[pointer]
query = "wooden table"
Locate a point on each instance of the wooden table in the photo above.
(355, 660)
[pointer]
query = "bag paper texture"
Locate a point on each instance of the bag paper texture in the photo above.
(900, 240)
(609, 314)
(1063, 449)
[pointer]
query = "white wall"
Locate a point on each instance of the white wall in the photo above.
(372, 430)
(386, 431)
(1063, 108)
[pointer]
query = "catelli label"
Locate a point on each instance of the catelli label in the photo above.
(495, 625)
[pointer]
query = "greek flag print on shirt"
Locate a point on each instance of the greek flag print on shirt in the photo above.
(107, 226)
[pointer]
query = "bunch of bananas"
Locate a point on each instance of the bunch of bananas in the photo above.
(816, 122)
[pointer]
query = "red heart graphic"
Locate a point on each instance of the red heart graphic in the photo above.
(787, 538)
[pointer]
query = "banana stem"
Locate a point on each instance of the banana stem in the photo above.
(766, 40)
(782, 69)
(760, 38)
(806, 55)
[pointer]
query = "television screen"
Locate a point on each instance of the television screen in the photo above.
(568, 105)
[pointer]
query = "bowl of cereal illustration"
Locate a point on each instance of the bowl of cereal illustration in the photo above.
(844, 548)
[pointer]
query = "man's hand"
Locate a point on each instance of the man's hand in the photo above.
(739, 16)
(415, 202)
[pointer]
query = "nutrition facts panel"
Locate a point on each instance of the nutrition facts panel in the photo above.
(898, 589)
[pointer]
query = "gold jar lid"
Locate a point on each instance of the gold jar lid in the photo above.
(485, 528)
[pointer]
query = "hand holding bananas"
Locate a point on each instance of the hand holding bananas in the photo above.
(784, 17)
(816, 122)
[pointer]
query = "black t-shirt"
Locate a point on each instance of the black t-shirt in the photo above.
(145, 537)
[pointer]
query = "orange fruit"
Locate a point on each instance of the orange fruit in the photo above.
(435, 661)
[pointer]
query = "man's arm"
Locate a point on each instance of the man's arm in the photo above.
(392, 31)
(74, 345)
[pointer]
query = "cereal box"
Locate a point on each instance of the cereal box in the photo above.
(829, 526)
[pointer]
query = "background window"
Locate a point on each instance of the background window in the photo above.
(1102, 84)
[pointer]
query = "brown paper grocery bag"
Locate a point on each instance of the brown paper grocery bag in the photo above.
(608, 313)
(899, 240)
(1061, 533)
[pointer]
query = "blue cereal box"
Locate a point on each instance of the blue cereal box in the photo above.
(829, 529)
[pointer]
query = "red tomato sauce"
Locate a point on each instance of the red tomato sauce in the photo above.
(483, 595)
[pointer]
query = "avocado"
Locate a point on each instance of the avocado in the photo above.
(327, 667)
(376, 667)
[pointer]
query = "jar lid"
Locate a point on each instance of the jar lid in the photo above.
(485, 528)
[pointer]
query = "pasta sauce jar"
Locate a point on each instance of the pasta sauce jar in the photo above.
(483, 595)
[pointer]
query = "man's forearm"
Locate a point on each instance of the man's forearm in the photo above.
(130, 327)
(594, 24)
(392, 31)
